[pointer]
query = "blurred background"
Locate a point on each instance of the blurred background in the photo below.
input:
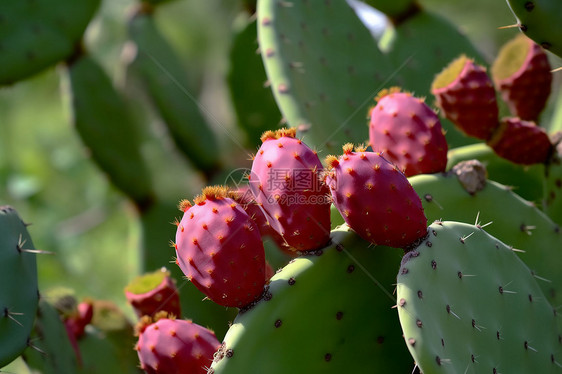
(92, 228)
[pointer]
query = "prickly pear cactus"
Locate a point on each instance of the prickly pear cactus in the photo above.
(467, 304)
(37, 34)
(19, 294)
(327, 312)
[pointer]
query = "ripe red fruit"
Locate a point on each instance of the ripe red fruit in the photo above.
(521, 142)
(408, 133)
(174, 346)
(154, 292)
(219, 249)
(522, 73)
(466, 96)
(244, 196)
(375, 198)
(286, 185)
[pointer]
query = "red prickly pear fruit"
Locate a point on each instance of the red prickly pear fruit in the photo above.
(153, 292)
(219, 249)
(244, 196)
(375, 198)
(408, 133)
(173, 346)
(286, 184)
(466, 96)
(76, 323)
(522, 74)
(521, 142)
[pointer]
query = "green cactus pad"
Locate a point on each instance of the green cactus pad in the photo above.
(512, 219)
(329, 312)
(254, 103)
(107, 129)
(552, 199)
(51, 351)
(19, 294)
(468, 304)
(38, 34)
(540, 21)
(166, 82)
(323, 66)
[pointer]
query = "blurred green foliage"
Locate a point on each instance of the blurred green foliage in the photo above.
(46, 174)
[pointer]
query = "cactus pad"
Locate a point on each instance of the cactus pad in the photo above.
(323, 66)
(108, 129)
(166, 82)
(505, 215)
(19, 294)
(328, 312)
(37, 34)
(467, 304)
(540, 21)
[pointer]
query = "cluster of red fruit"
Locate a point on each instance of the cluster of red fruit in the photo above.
(219, 238)
(466, 95)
